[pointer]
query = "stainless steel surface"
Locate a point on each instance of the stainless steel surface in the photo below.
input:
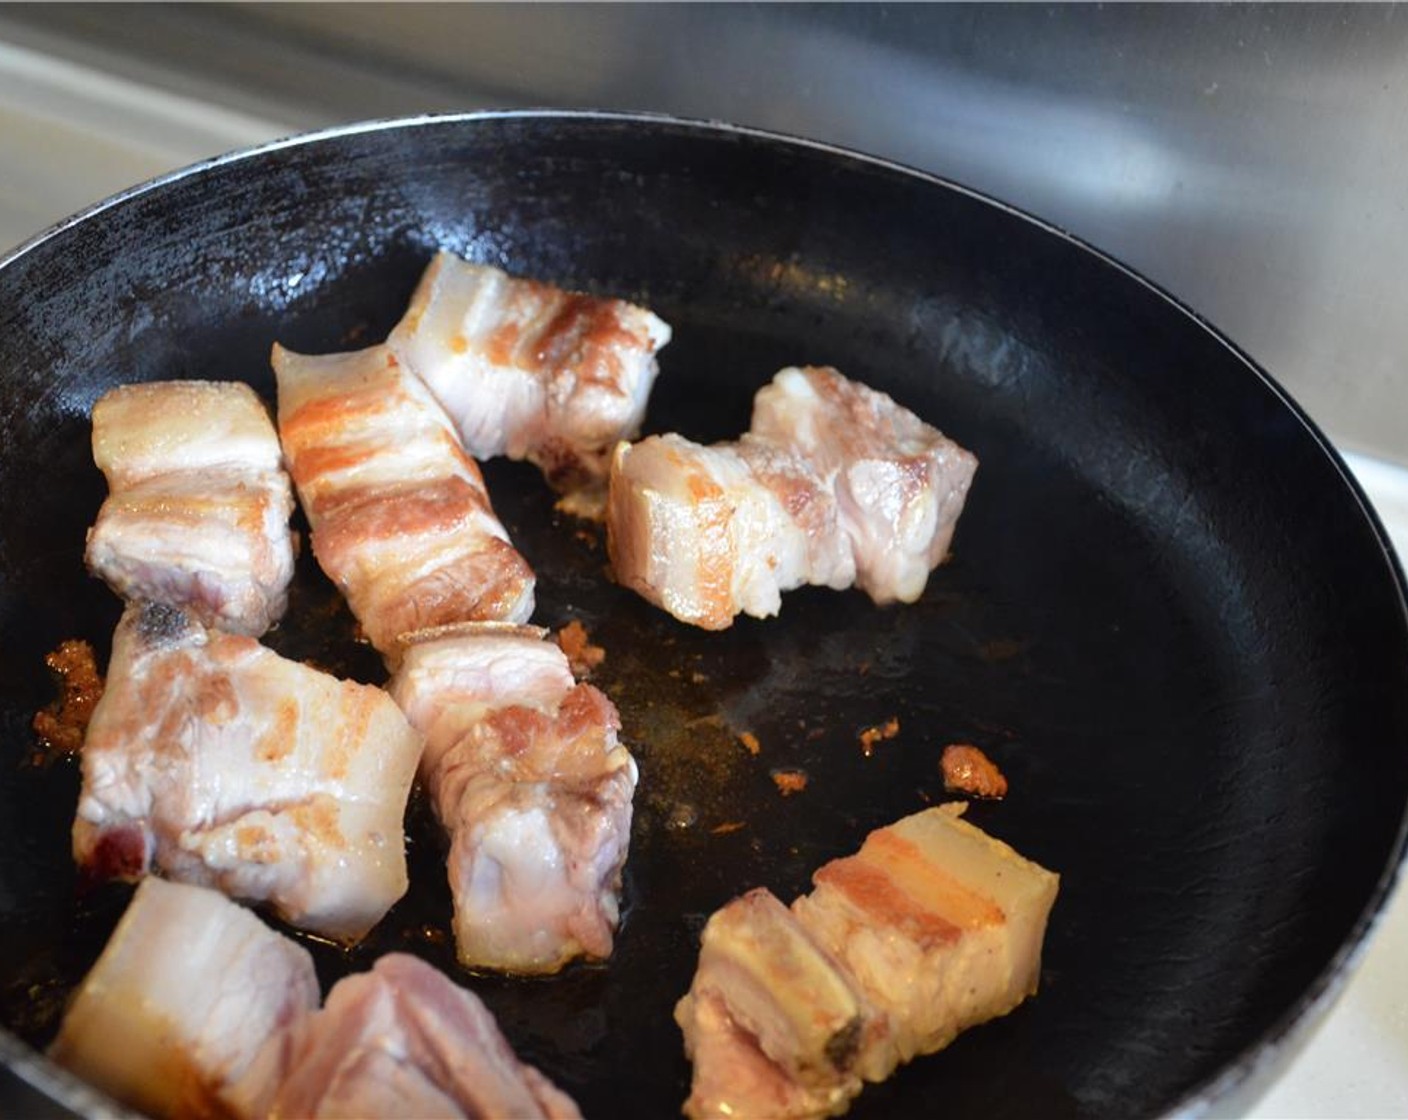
(1249, 158)
(71, 135)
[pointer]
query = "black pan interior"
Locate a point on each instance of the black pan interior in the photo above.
(1167, 616)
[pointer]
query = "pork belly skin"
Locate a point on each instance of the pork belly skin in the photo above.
(214, 761)
(198, 505)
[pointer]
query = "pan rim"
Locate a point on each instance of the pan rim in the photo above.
(1256, 1063)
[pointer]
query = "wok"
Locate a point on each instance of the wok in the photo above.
(1170, 616)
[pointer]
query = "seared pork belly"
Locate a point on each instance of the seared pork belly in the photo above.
(931, 928)
(777, 1004)
(707, 532)
(183, 998)
(900, 483)
(214, 761)
(198, 505)
(401, 520)
(528, 370)
(527, 776)
(734, 1078)
(834, 485)
(401, 1040)
(940, 924)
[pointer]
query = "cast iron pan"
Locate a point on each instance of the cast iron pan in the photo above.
(1169, 615)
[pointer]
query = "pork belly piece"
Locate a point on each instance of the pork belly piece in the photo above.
(932, 927)
(834, 484)
(900, 483)
(401, 520)
(940, 924)
(198, 505)
(528, 370)
(213, 760)
(401, 1040)
(527, 776)
(707, 532)
(183, 998)
(197, 1009)
(734, 1078)
(768, 987)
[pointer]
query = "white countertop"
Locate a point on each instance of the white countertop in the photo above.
(71, 136)
(1356, 1063)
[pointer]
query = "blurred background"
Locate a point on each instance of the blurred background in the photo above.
(1250, 159)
